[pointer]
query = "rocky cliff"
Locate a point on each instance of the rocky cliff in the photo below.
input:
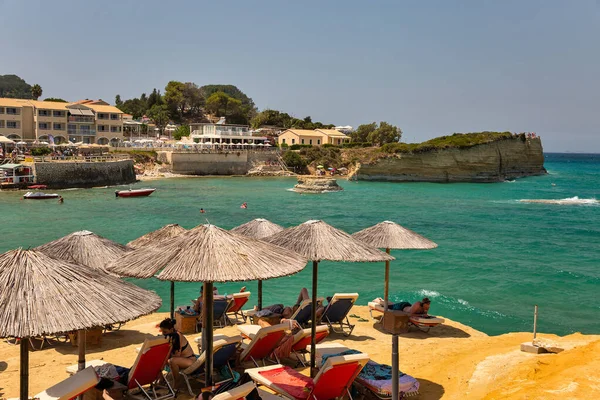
(316, 184)
(491, 162)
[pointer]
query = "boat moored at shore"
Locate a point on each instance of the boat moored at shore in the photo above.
(134, 192)
(39, 196)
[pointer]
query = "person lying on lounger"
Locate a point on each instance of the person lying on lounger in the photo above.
(216, 296)
(280, 311)
(419, 308)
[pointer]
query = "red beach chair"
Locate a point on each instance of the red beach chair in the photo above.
(239, 300)
(302, 340)
(263, 342)
(147, 369)
(332, 382)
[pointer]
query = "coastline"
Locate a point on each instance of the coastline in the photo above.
(452, 361)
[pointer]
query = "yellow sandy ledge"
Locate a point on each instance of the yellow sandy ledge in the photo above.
(452, 361)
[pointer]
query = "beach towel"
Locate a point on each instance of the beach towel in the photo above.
(378, 377)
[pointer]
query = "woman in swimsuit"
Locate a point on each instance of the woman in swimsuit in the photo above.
(182, 355)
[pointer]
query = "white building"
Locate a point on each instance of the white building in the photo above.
(223, 133)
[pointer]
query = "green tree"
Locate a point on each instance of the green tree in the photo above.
(294, 161)
(194, 100)
(12, 86)
(361, 134)
(175, 99)
(386, 133)
(223, 105)
(36, 91)
(118, 101)
(55, 99)
(154, 98)
(183, 130)
(160, 116)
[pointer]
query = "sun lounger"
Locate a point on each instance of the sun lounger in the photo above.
(422, 322)
(371, 376)
(333, 380)
(235, 311)
(337, 311)
(224, 349)
(303, 313)
(237, 393)
(262, 343)
(302, 340)
(71, 387)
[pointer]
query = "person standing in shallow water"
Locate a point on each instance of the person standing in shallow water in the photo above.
(60, 200)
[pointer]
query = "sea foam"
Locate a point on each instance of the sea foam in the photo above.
(568, 201)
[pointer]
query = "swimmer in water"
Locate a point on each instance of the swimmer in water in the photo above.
(60, 200)
(202, 211)
(244, 205)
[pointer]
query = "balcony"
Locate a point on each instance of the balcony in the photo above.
(75, 118)
(77, 132)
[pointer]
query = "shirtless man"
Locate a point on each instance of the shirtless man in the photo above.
(419, 308)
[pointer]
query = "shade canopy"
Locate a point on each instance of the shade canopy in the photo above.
(317, 240)
(390, 235)
(158, 236)
(4, 139)
(208, 253)
(258, 228)
(43, 295)
(85, 248)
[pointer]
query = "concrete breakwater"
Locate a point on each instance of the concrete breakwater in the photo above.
(84, 174)
(226, 163)
(490, 162)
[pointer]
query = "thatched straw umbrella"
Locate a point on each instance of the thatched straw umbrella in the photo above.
(258, 228)
(389, 235)
(318, 241)
(42, 295)
(210, 254)
(154, 238)
(166, 232)
(84, 248)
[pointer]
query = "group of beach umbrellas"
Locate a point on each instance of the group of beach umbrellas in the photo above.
(73, 283)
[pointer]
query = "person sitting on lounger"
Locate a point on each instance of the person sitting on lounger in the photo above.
(275, 311)
(419, 308)
(182, 355)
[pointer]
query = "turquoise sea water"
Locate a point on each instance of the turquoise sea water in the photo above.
(497, 257)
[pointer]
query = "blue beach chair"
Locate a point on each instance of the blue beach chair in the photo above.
(337, 311)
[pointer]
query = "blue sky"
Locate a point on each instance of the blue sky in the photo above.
(430, 67)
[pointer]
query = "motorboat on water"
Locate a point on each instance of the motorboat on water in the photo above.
(134, 192)
(40, 196)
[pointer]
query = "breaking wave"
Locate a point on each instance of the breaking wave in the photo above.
(568, 201)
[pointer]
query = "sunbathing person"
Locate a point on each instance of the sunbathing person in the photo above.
(280, 311)
(216, 296)
(419, 308)
(182, 355)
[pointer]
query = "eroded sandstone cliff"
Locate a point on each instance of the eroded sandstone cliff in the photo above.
(491, 162)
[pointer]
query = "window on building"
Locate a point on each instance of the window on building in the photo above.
(310, 141)
(318, 141)
(1, 123)
(12, 111)
(102, 128)
(293, 141)
(84, 129)
(102, 116)
(1, 110)
(43, 113)
(302, 141)
(58, 114)
(72, 127)
(113, 128)
(59, 127)
(114, 117)
(12, 124)
(44, 125)
(282, 140)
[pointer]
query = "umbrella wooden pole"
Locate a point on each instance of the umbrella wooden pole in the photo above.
(313, 328)
(395, 367)
(207, 334)
(24, 368)
(386, 290)
(172, 299)
(259, 295)
(81, 349)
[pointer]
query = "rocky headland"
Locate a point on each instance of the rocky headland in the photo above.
(316, 184)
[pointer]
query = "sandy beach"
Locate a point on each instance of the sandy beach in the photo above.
(452, 361)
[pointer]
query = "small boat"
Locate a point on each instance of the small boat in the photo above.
(39, 196)
(37, 187)
(134, 192)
